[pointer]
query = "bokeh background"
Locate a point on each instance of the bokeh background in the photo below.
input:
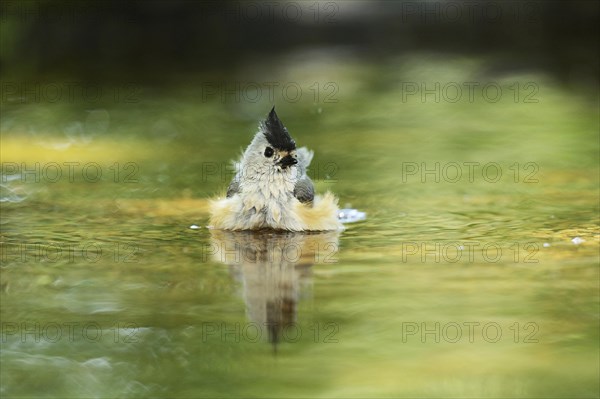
(455, 126)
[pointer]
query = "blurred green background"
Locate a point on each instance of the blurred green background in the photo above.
(467, 131)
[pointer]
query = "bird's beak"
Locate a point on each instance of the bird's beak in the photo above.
(286, 161)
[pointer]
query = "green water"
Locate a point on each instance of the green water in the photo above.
(456, 285)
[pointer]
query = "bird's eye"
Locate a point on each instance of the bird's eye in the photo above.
(268, 152)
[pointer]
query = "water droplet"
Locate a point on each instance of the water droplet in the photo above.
(351, 215)
(577, 240)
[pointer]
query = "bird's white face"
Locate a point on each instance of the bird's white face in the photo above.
(261, 159)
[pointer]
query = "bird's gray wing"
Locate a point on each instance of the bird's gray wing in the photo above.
(304, 190)
(234, 188)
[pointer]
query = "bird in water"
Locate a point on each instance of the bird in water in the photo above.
(271, 189)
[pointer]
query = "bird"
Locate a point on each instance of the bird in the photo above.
(271, 188)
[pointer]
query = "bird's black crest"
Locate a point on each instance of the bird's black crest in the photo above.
(276, 134)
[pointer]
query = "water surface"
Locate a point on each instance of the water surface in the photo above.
(475, 274)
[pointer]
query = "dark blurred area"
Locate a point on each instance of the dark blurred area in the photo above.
(158, 41)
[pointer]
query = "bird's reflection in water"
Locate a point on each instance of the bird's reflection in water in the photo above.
(274, 268)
